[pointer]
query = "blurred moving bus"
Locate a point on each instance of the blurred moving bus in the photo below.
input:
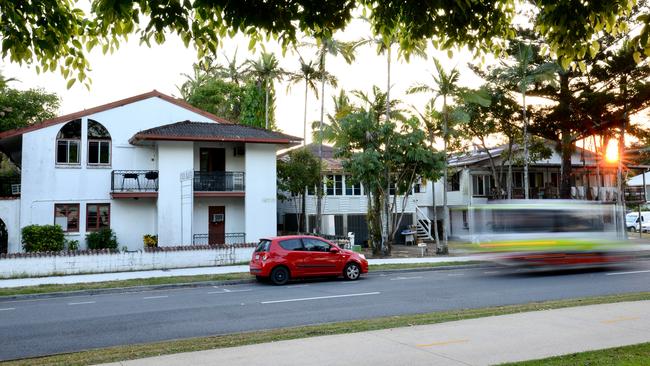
(548, 233)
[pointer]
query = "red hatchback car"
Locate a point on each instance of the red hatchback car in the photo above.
(297, 256)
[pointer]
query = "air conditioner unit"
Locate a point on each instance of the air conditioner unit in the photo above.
(216, 218)
(239, 151)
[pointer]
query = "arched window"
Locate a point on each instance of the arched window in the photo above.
(68, 142)
(99, 144)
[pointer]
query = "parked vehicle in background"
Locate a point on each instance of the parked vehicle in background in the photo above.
(632, 221)
(298, 256)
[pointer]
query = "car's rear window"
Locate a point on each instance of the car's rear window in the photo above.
(263, 246)
(291, 244)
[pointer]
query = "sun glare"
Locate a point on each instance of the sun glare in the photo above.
(611, 154)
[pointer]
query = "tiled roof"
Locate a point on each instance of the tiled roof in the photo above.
(209, 131)
(330, 164)
(112, 105)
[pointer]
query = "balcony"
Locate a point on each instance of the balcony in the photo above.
(228, 239)
(134, 183)
(219, 184)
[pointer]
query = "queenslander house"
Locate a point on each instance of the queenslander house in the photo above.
(148, 164)
(470, 182)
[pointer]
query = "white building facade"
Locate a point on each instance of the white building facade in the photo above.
(470, 182)
(145, 165)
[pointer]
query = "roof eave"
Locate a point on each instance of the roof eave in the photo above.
(136, 139)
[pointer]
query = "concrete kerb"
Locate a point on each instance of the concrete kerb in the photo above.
(129, 289)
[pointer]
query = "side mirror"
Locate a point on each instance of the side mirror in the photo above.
(334, 250)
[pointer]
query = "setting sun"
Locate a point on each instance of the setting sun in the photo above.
(611, 154)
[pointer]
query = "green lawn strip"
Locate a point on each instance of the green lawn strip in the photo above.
(638, 354)
(130, 352)
(42, 289)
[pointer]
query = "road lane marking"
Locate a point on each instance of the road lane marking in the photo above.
(81, 303)
(405, 278)
(295, 286)
(620, 319)
(320, 297)
(154, 297)
(444, 343)
(7, 309)
(455, 274)
(625, 273)
(224, 291)
(491, 272)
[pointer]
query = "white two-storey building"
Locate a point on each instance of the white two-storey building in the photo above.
(470, 182)
(149, 164)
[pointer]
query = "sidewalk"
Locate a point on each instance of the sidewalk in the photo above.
(482, 341)
(117, 276)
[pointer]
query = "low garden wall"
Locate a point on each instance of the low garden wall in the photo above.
(100, 261)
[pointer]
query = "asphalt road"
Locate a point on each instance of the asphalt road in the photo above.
(64, 324)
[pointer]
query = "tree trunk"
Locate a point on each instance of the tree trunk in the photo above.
(566, 147)
(526, 183)
(509, 178)
(435, 216)
(386, 245)
(266, 106)
(319, 199)
(445, 209)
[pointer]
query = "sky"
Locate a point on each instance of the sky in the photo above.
(135, 69)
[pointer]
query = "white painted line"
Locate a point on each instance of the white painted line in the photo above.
(320, 297)
(455, 274)
(405, 278)
(7, 309)
(625, 273)
(81, 303)
(224, 291)
(295, 286)
(154, 297)
(491, 272)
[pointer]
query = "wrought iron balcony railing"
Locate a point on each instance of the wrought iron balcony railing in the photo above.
(134, 181)
(229, 239)
(219, 181)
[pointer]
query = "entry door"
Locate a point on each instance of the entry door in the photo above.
(216, 225)
(213, 159)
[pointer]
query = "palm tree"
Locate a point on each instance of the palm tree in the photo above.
(327, 45)
(523, 74)
(231, 70)
(309, 73)
(266, 69)
(384, 46)
(446, 87)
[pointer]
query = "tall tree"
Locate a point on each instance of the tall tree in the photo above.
(296, 173)
(266, 70)
(446, 87)
(62, 42)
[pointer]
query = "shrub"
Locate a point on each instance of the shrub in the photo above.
(102, 239)
(43, 238)
(150, 241)
(72, 245)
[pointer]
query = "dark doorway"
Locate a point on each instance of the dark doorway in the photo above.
(359, 226)
(216, 225)
(212, 159)
(4, 238)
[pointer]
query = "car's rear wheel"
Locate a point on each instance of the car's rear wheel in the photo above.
(633, 229)
(279, 276)
(351, 272)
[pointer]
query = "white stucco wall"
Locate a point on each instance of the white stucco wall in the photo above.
(261, 193)
(131, 219)
(119, 262)
(43, 183)
(10, 215)
(175, 157)
(235, 218)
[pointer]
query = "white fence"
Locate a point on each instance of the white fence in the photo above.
(64, 264)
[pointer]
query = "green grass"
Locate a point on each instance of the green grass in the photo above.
(638, 354)
(42, 289)
(129, 352)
